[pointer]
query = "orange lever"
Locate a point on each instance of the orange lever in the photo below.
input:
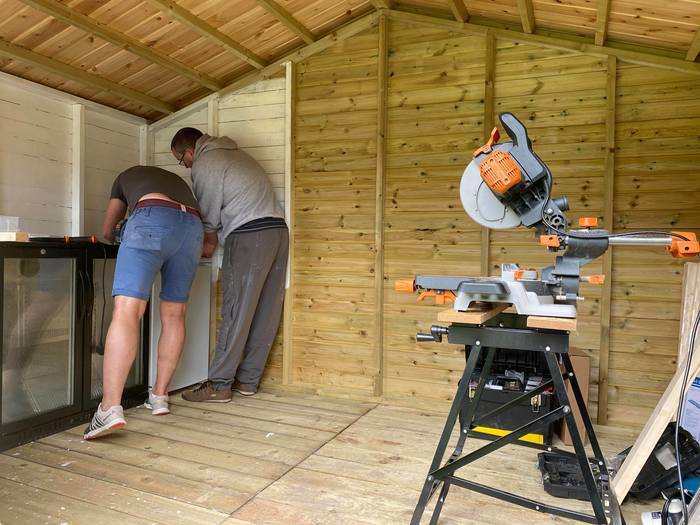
(486, 148)
(684, 249)
(404, 286)
(440, 296)
(594, 279)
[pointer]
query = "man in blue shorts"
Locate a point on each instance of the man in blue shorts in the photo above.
(164, 233)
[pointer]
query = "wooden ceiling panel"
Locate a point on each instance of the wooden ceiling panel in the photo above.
(574, 16)
(320, 16)
(20, 19)
(655, 23)
(506, 10)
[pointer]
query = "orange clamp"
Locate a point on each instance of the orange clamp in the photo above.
(441, 296)
(588, 222)
(551, 241)
(594, 279)
(683, 249)
(405, 286)
(486, 148)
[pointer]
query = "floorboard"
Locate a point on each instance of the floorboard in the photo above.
(276, 458)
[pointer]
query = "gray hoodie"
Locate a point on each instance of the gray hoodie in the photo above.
(230, 185)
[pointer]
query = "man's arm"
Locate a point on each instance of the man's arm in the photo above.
(116, 209)
(211, 241)
(208, 188)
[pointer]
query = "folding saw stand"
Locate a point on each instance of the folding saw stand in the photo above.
(506, 332)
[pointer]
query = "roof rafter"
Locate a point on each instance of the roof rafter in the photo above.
(287, 19)
(527, 15)
(601, 31)
(459, 10)
(68, 16)
(75, 74)
(694, 49)
(381, 4)
(195, 23)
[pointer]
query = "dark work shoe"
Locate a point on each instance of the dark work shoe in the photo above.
(244, 390)
(206, 393)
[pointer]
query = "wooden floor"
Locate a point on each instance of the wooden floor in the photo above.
(271, 459)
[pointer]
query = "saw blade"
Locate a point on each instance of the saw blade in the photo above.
(481, 204)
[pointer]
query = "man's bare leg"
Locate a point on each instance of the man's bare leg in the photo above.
(120, 348)
(170, 343)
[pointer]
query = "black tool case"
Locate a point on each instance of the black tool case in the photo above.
(654, 477)
(561, 475)
(530, 364)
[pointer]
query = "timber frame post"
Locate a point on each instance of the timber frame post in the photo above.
(608, 200)
(380, 185)
(288, 314)
(489, 108)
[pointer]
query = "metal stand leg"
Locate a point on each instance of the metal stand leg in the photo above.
(581, 455)
(466, 417)
(462, 392)
(609, 498)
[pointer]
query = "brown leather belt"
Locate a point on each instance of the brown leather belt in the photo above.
(168, 204)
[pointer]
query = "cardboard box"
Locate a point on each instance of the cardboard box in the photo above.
(582, 369)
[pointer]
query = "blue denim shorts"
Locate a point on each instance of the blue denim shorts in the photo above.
(158, 239)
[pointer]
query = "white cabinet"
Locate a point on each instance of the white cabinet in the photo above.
(194, 362)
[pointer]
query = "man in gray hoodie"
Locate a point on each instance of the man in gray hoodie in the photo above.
(239, 211)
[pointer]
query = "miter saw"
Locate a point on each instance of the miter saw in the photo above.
(507, 185)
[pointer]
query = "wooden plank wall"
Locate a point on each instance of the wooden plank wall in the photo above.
(657, 178)
(334, 210)
(111, 146)
(436, 108)
(36, 158)
(436, 100)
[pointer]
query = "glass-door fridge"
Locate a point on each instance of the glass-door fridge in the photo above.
(56, 308)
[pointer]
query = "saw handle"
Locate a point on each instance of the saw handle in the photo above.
(515, 130)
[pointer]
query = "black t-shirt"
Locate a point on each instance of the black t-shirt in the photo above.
(132, 184)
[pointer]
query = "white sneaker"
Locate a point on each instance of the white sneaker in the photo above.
(105, 422)
(157, 404)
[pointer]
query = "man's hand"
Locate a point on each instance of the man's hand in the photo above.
(210, 243)
(116, 210)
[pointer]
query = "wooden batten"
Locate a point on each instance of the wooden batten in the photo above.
(459, 10)
(186, 18)
(287, 20)
(602, 14)
(489, 81)
(527, 15)
(78, 175)
(289, 188)
(608, 200)
(380, 188)
(694, 48)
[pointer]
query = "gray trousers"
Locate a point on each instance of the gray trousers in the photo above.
(253, 275)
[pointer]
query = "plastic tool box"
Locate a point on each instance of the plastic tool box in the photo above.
(561, 475)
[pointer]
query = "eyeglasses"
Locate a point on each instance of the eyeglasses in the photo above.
(182, 158)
